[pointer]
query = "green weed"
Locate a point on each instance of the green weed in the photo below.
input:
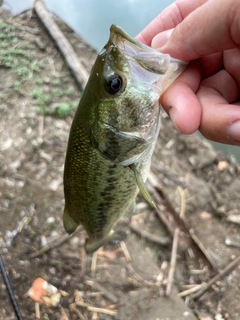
(41, 98)
(58, 92)
(63, 109)
(56, 81)
(6, 26)
(22, 71)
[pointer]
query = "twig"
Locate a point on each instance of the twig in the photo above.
(78, 70)
(83, 262)
(49, 246)
(94, 262)
(183, 202)
(172, 220)
(169, 175)
(93, 309)
(125, 251)
(170, 217)
(173, 262)
(163, 241)
(78, 313)
(137, 280)
(187, 292)
(219, 275)
(203, 249)
(110, 296)
(102, 310)
(63, 313)
(37, 310)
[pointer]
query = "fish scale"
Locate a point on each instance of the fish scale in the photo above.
(113, 135)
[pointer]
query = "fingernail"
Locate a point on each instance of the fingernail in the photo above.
(234, 131)
(161, 39)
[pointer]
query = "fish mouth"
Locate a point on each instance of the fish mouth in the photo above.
(148, 58)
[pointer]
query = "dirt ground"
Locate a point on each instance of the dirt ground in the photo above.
(38, 98)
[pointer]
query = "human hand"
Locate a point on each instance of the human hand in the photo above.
(205, 97)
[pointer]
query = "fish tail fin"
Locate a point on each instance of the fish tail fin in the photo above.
(69, 224)
(93, 245)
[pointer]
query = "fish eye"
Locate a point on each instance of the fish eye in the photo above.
(113, 84)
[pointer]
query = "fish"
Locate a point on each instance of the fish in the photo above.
(113, 135)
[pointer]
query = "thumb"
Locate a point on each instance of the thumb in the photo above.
(211, 28)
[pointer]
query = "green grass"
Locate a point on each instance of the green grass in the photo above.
(63, 109)
(6, 26)
(29, 72)
(58, 92)
(41, 98)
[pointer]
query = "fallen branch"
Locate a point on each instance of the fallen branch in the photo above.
(218, 276)
(110, 296)
(195, 288)
(168, 175)
(77, 69)
(163, 241)
(102, 310)
(136, 280)
(93, 309)
(49, 246)
(172, 220)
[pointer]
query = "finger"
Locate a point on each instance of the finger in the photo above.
(180, 101)
(231, 60)
(211, 63)
(168, 19)
(220, 120)
(224, 84)
(202, 32)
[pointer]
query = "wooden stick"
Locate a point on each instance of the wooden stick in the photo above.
(37, 310)
(168, 175)
(173, 262)
(78, 313)
(49, 246)
(63, 313)
(163, 241)
(196, 287)
(77, 69)
(183, 202)
(109, 295)
(102, 310)
(172, 220)
(125, 251)
(93, 309)
(219, 275)
(137, 280)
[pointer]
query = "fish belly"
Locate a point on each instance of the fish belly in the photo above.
(97, 191)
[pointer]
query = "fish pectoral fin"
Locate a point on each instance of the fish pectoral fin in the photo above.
(93, 245)
(142, 187)
(115, 145)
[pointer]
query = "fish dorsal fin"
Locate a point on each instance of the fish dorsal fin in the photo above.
(142, 187)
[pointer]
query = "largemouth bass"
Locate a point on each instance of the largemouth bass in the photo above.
(113, 135)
